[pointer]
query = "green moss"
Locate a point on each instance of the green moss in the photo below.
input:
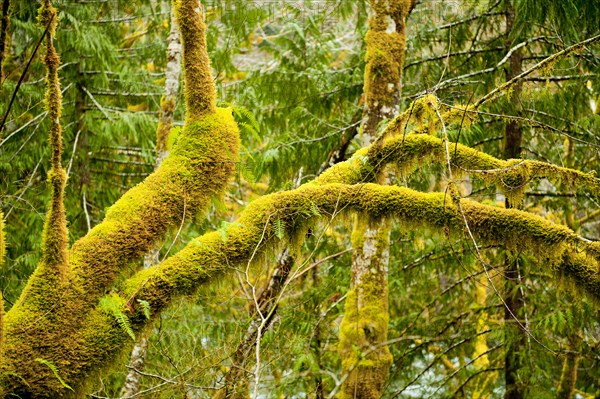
(364, 327)
(386, 41)
(47, 17)
(200, 91)
(93, 338)
(197, 169)
(55, 236)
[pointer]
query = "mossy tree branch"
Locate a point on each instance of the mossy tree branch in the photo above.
(97, 333)
(409, 152)
(55, 236)
(200, 91)
(85, 338)
(180, 275)
(210, 256)
(197, 169)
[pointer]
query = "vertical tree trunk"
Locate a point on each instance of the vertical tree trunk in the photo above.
(566, 386)
(165, 123)
(516, 339)
(365, 357)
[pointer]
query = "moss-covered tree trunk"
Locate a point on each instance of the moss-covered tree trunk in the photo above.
(366, 359)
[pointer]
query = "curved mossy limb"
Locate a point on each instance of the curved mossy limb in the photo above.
(411, 150)
(209, 255)
(197, 170)
(99, 339)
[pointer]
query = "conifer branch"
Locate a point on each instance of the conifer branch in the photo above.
(545, 62)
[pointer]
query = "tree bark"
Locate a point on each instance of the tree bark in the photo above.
(516, 338)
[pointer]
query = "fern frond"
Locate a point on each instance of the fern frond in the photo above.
(55, 371)
(279, 227)
(114, 306)
(145, 305)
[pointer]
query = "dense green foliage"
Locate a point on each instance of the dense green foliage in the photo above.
(293, 74)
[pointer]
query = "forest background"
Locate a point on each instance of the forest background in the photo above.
(467, 318)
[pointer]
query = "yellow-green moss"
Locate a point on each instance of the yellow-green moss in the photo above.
(64, 312)
(386, 41)
(55, 235)
(412, 150)
(197, 169)
(365, 358)
(200, 91)
(53, 267)
(93, 338)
